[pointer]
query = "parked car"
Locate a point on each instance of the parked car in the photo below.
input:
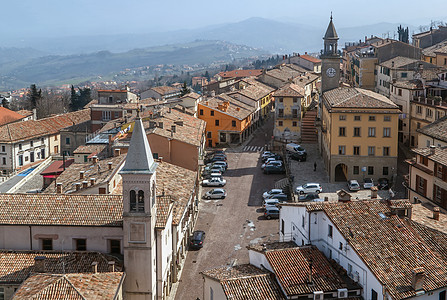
(368, 183)
(271, 212)
(309, 188)
(269, 159)
(308, 197)
(272, 162)
(353, 185)
(211, 175)
(215, 181)
(273, 201)
(295, 148)
(215, 194)
(221, 163)
(197, 239)
(383, 184)
(215, 158)
(299, 156)
(274, 168)
(274, 156)
(210, 167)
(280, 197)
(268, 194)
(266, 154)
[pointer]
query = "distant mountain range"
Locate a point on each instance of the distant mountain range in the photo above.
(72, 58)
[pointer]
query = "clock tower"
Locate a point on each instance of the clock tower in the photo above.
(330, 65)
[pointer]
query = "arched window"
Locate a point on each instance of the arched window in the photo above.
(140, 203)
(133, 201)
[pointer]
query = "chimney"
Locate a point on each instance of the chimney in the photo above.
(84, 184)
(95, 159)
(392, 64)
(436, 213)
(117, 153)
(59, 188)
(92, 181)
(81, 175)
(111, 266)
(432, 149)
(78, 186)
(418, 278)
(109, 164)
(39, 264)
(95, 267)
(310, 279)
(169, 110)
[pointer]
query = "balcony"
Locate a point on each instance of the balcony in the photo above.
(430, 101)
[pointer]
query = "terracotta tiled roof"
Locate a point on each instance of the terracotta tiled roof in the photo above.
(439, 155)
(310, 58)
(61, 209)
(236, 109)
(243, 282)
(163, 90)
(71, 175)
(261, 247)
(431, 51)
(423, 214)
(192, 95)
(291, 267)
(9, 116)
(253, 89)
(89, 149)
(164, 207)
(70, 286)
(240, 73)
(31, 129)
(398, 62)
(290, 90)
(16, 266)
(357, 98)
(409, 84)
(286, 72)
(25, 113)
(437, 129)
(391, 247)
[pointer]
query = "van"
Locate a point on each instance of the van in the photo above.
(295, 148)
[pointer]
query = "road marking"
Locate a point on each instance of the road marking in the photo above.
(246, 148)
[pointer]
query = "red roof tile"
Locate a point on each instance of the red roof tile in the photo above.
(9, 116)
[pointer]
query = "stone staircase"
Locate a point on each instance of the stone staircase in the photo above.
(308, 129)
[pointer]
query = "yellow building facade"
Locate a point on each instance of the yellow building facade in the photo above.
(288, 102)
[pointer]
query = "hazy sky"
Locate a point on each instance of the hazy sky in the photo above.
(62, 17)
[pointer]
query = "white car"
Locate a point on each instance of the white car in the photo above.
(368, 183)
(309, 188)
(267, 153)
(271, 193)
(271, 202)
(272, 162)
(353, 185)
(214, 181)
(215, 194)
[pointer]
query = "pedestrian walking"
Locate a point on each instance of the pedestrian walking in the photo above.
(315, 166)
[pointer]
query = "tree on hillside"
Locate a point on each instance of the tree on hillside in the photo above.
(80, 98)
(33, 96)
(207, 75)
(185, 90)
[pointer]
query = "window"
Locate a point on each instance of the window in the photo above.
(356, 170)
(110, 99)
(67, 141)
(294, 113)
(342, 117)
(55, 137)
(370, 170)
(295, 99)
(340, 246)
(418, 125)
(47, 244)
(404, 75)
(372, 118)
(294, 124)
(342, 131)
(428, 112)
(357, 118)
(329, 232)
(387, 119)
(371, 150)
(303, 219)
(216, 122)
(423, 160)
(280, 123)
(20, 146)
(106, 115)
(233, 123)
(2, 293)
(201, 112)
(81, 244)
(386, 151)
(399, 92)
(137, 204)
(419, 109)
(281, 100)
(3, 149)
(442, 294)
(349, 269)
(208, 135)
(212, 113)
(356, 150)
(56, 149)
(385, 171)
(116, 115)
(31, 144)
(356, 131)
(4, 160)
(341, 150)
(386, 132)
(114, 246)
(280, 112)
(282, 226)
(371, 131)
(20, 160)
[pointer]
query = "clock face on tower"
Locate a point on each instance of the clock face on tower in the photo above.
(330, 72)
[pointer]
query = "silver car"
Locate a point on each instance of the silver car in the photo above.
(215, 194)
